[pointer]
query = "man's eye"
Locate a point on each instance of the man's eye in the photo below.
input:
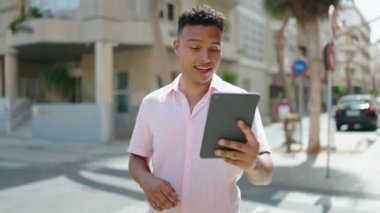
(194, 48)
(215, 50)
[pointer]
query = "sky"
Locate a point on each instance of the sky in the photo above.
(370, 10)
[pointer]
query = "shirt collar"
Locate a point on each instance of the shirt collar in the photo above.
(216, 83)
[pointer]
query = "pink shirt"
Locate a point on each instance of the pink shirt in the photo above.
(171, 136)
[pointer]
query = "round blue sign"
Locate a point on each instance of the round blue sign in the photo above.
(299, 67)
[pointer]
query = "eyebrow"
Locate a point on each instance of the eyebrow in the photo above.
(198, 40)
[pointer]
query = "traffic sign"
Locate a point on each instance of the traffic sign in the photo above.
(299, 67)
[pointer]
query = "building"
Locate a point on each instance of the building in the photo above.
(353, 73)
(255, 52)
(108, 48)
(375, 67)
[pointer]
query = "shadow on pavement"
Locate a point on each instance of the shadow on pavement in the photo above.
(306, 179)
(78, 178)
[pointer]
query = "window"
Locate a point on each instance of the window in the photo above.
(159, 81)
(170, 12)
(253, 38)
(174, 74)
(77, 90)
(122, 92)
(52, 6)
(139, 9)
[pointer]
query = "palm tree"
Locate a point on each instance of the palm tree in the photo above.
(308, 13)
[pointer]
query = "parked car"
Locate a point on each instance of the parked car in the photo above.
(357, 111)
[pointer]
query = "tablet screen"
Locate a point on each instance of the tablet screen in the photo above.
(224, 112)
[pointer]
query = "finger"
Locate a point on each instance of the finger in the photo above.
(238, 146)
(156, 206)
(251, 138)
(160, 200)
(233, 155)
(170, 194)
(167, 203)
(235, 162)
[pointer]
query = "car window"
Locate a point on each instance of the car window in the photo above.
(346, 103)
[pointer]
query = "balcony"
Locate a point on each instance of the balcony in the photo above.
(45, 30)
(55, 30)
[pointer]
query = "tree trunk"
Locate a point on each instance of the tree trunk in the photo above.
(161, 60)
(314, 59)
(22, 8)
(280, 47)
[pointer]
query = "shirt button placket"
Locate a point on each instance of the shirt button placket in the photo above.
(187, 166)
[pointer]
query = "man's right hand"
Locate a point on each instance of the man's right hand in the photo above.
(159, 193)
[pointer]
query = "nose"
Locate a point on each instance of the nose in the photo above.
(204, 56)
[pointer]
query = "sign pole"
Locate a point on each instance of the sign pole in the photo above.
(329, 117)
(300, 105)
(299, 69)
(329, 64)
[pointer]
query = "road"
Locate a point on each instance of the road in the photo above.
(44, 176)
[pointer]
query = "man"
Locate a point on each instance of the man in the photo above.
(170, 126)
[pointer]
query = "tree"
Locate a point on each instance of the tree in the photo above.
(274, 9)
(308, 13)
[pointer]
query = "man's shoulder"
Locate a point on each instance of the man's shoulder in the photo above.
(228, 87)
(158, 94)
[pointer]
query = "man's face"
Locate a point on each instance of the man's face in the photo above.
(199, 49)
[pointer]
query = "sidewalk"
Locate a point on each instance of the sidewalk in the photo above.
(353, 163)
(354, 170)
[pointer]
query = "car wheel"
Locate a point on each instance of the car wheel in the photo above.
(338, 127)
(373, 127)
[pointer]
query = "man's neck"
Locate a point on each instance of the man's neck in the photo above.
(193, 92)
(192, 89)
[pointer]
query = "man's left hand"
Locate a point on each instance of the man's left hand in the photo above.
(243, 155)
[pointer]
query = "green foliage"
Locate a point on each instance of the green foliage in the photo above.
(340, 89)
(32, 13)
(278, 9)
(301, 9)
(377, 92)
(56, 79)
(19, 19)
(229, 76)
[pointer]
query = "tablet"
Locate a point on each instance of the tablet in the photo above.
(224, 112)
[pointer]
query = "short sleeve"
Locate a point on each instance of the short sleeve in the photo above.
(141, 140)
(258, 130)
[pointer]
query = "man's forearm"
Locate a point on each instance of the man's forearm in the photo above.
(262, 172)
(139, 168)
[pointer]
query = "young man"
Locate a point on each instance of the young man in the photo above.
(170, 126)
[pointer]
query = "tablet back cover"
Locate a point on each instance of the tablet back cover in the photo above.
(224, 112)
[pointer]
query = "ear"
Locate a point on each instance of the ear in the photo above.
(176, 46)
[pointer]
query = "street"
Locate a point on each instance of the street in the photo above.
(45, 176)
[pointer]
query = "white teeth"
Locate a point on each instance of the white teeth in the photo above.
(203, 68)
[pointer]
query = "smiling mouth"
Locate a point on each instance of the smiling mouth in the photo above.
(203, 69)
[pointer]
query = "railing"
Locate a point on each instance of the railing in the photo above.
(13, 113)
(20, 113)
(4, 115)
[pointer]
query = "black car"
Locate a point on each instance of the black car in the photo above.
(357, 111)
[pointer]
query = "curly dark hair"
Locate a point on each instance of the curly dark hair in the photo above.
(201, 15)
